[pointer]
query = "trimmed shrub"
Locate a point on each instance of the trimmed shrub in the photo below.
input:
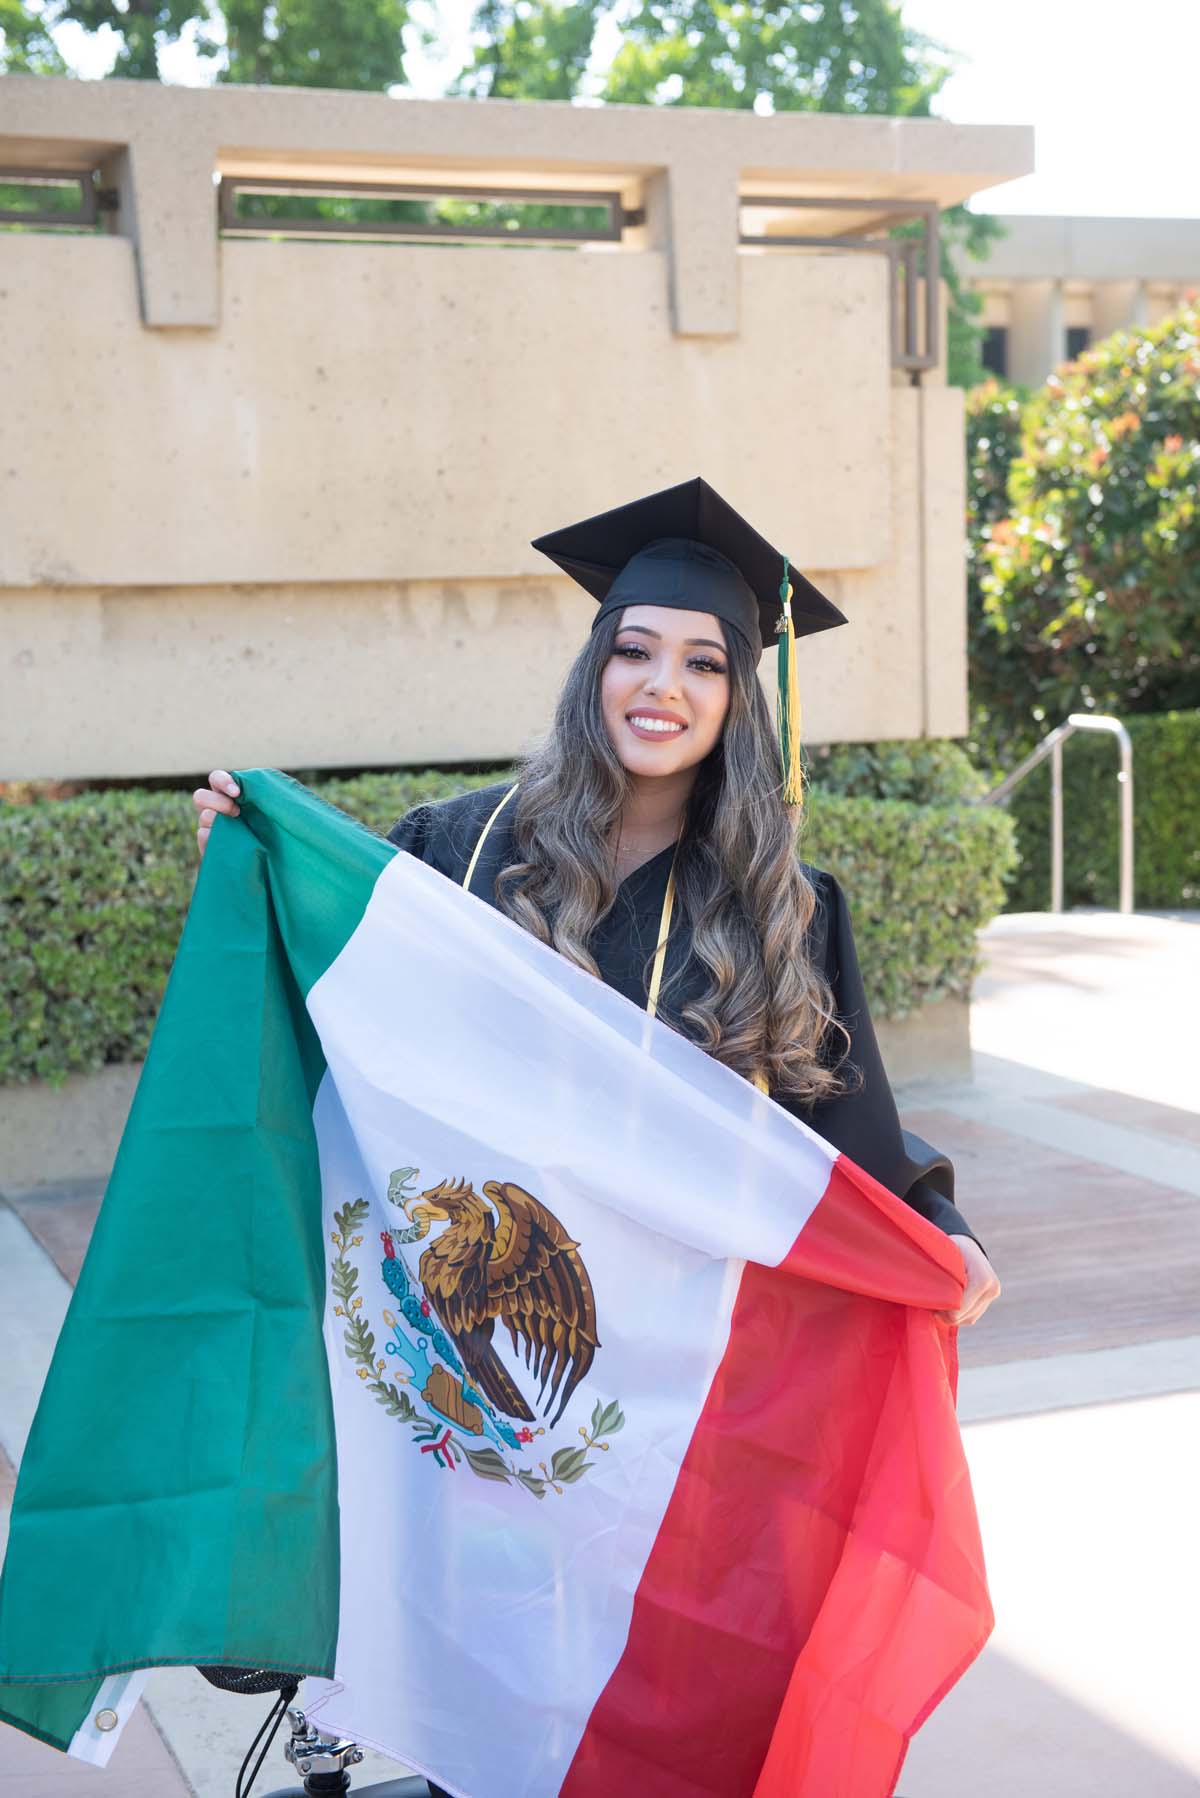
(928, 771)
(1166, 819)
(922, 880)
(94, 889)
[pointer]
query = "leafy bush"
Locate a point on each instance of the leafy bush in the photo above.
(927, 771)
(94, 888)
(379, 799)
(1089, 589)
(993, 416)
(921, 880)
(1166, 819)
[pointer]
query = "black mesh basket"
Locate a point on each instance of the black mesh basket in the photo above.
(250, 1680)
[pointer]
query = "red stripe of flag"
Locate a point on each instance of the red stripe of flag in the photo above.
(817, 1583)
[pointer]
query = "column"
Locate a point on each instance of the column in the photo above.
(1036, 338)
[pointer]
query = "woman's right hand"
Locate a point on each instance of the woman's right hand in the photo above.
(220, 795)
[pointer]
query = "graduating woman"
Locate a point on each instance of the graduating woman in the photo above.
(650, 837)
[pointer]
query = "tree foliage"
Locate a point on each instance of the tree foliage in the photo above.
(529, 52)
(309, 43)
(295, 43)
(817, 56)
(26, 46)
(1086, 579)
(141, 28)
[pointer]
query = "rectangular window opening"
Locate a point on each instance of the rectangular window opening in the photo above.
(37, 200)
(357, 210)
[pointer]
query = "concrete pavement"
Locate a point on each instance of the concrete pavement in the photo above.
(1077, 1150)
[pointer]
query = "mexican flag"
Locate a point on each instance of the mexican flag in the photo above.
(458, 1335)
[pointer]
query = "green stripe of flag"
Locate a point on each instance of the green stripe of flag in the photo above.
(177, 1502)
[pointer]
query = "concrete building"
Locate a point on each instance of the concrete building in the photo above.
(1051, 286)
(266, 494)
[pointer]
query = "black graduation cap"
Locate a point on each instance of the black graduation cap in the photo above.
(686, 547)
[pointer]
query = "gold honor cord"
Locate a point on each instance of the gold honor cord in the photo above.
(483, 835)
(664, 931)
(664, 923)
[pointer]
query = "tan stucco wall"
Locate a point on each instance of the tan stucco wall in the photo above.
(272, 502)
(373, 411)
(124, 680)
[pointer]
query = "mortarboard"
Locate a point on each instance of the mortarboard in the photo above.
(687, 548)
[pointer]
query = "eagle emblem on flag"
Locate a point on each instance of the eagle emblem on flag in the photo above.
(500, 1256)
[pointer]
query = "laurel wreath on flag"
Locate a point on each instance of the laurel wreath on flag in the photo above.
(432, 1434)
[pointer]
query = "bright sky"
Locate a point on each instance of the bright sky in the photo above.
(1109, 85)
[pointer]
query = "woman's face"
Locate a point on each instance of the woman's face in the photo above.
(665, 688)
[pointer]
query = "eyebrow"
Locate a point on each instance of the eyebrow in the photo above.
(645, 631)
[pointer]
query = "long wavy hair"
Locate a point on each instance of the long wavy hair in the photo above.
(739, 884)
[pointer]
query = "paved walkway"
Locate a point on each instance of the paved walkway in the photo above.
(1077, 1149)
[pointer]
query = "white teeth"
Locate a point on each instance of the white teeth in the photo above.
(660, 724)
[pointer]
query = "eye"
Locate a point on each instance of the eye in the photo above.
(629, 649)
(709, 664)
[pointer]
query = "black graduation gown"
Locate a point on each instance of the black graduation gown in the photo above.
(863, 1125)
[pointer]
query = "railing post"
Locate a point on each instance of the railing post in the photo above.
(1125, 777)
(1056, 827)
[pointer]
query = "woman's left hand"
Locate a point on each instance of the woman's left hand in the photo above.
(982, 1284)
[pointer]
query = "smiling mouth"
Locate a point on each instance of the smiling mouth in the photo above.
(660, 728)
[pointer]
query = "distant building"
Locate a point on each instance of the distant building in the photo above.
(1052, 286)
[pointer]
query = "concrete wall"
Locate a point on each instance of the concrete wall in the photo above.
(272, 501)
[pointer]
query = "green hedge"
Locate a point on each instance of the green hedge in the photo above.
(928, 771)
(921, 880)
(1166, 819)
(93, 891)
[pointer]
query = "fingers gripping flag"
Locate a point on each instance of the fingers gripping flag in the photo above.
(456, 1334)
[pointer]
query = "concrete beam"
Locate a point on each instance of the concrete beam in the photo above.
(168, 142)
(1064, 248)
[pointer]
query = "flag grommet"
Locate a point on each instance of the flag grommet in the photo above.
(106, 1720)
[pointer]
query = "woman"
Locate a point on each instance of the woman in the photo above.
(650, 838)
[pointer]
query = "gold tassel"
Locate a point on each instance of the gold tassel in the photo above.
(787, 711)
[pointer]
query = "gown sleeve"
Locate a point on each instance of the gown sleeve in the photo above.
(443, 834)
(411, 832)
(864, 1124)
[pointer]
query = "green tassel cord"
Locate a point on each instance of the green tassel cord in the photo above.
(787, 710)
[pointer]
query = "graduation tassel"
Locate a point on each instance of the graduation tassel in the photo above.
(787, 709)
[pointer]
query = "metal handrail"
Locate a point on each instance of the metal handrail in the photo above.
(1052, 745)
